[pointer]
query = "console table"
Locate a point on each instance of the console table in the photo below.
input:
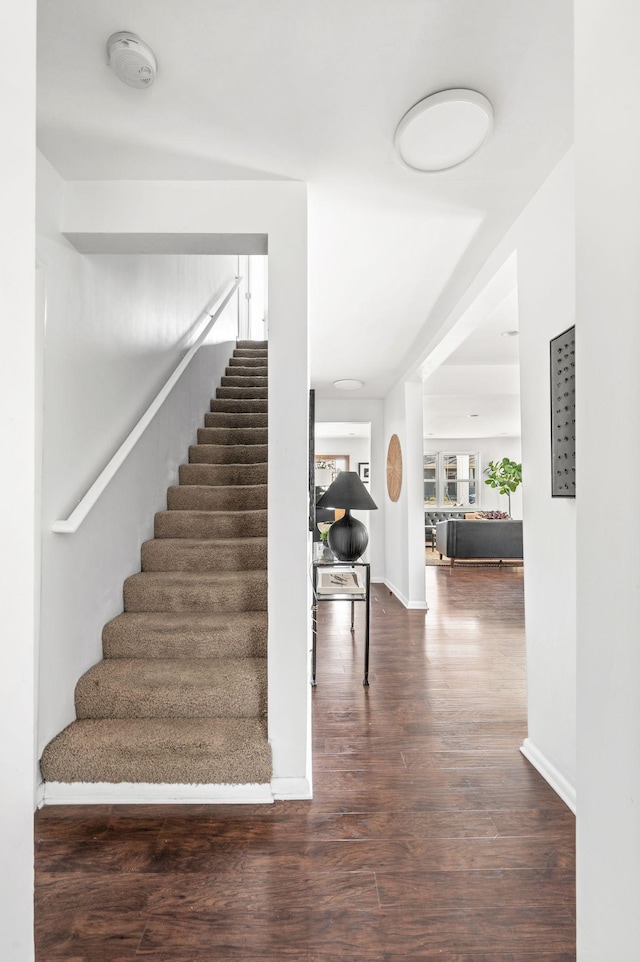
(362, 594)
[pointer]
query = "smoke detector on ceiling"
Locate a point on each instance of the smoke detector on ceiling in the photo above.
(131, 59)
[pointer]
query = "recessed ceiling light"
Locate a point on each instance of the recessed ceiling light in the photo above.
(473, 415)
(348, 384)
(443, 130)
(509, 333)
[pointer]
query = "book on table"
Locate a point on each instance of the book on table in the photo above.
(340, 583)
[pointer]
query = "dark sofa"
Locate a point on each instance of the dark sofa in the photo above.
(459, 538)
(431, 519)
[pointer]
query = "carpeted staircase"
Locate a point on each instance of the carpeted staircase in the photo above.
(181, 695)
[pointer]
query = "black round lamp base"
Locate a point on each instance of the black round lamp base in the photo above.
(348, 538)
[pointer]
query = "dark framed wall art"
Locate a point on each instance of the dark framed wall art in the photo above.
(563, 414)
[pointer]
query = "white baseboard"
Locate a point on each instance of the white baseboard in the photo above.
(291, 788)
(39, 795)
(412, 605)
(550, 773)
(133, 793)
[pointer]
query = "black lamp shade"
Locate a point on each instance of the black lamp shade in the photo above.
(347, 491)
(348, 537)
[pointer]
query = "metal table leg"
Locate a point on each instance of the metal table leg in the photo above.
(314, 627)
(367, 605)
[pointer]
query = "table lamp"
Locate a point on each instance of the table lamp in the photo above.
(348, 537)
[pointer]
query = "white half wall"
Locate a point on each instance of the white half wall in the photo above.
(278, 210)
(18, 486)
(372, 412)
(608, 403)
(404, 518)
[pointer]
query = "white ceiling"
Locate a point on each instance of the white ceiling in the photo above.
(342, 429)
(313, 90)
(475, 392)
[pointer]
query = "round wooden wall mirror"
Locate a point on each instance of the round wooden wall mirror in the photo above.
(394, 468)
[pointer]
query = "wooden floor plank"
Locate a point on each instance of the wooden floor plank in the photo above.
(429, 835)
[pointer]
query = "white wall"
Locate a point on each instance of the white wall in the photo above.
(546, 295)
(608, 402)
(18, 487)
(358, 449)
(371, 412)
(116, 327)
(279, 210)
(489, 449)
(404, 519)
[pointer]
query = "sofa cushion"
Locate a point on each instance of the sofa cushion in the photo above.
(431, 518)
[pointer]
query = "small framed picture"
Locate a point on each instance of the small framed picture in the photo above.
(363, 471)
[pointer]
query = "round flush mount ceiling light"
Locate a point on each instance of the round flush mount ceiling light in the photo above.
(348, 384)
(131, 59)
(443, 130)
(509, 333)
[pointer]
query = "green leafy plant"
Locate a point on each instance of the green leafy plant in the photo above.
(506, 475)
(323, 528)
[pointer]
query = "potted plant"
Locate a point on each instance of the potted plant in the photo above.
(323, 528)
(505, 475)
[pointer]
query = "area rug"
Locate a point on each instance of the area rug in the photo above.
(432, 558)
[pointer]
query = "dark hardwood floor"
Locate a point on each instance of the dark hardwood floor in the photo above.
(429, 835)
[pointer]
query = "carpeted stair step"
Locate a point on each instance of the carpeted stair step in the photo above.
(210, 524)
(228, 453)
(160, 750)
(248, 361)
(245, 354)
(240, 405)
(246, 372)
(235, 419)
(243, 381)
(173, 688)
(252, 345)
(242, 393)
(208, 497)
(196, 591)
(200, 554)
(223, 473)
(233, 435)
(177, 634)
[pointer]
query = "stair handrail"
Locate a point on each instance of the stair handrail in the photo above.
(82, 509)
